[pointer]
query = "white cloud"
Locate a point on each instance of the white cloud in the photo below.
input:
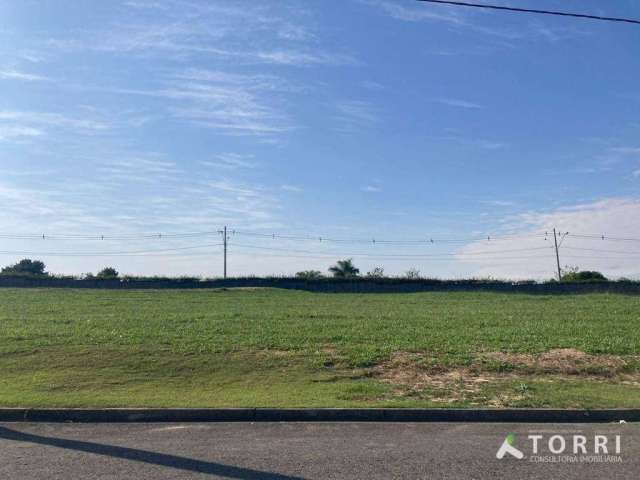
(371, 189)
(456, 102)
(626, 150)
(355, 115)
(182, 29)
(230, 161)
(10, 74)
(9, 132)
(25, 119)
(498, 203)
(233, 104)
(474, 21)
(420, 13)
(612, 217)
(291, 188)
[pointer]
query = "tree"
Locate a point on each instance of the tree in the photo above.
(107, 273)
(26, 266)
(375, 272)
(344, 269)
(412, 274)
(583, 276)
(309, 274)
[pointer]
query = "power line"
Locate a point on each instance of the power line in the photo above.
(532, 10)
(380, 255)
(374, 241)
(109, 254)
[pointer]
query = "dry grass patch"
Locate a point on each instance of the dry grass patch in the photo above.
(415, 374)
(567, 361)
(410, 374)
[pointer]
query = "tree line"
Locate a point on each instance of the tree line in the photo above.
(342, 269)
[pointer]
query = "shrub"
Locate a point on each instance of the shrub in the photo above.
(412, 274)
(376, 272)
(309, 274)
(107, 273)
(25, 267)
(583, 276)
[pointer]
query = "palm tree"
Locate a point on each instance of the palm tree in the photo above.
(344, 268)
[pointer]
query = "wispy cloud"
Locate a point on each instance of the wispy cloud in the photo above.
(291, 188)
(12, 132)
(21, 125)
(11, 74)
(626, 150)
(473, 21)
(353, 115)
(456, 102)
(230, 161)
(498, 203)
(51, 119)
(371, 189)
(420, 13)
(482, 143)
(231, 103)
(218, 30)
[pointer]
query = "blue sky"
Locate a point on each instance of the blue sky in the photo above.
(350, 119)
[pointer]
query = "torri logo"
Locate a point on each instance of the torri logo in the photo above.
(507, 447)
(564, 448)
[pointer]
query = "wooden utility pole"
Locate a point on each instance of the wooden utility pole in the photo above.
(555, 241)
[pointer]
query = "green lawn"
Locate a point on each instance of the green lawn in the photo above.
(266, 347)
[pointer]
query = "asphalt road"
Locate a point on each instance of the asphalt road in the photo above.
(306, 450)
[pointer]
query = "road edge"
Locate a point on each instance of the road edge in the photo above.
(97, 415)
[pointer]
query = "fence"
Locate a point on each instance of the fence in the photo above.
(356, 285)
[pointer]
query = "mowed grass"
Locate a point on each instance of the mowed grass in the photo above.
(267, 347)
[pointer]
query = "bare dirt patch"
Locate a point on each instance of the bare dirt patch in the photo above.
(568, 361)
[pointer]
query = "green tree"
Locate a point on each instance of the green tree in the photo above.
(412, 274)
(26, 266)
(344, 269)
(107, 273)
(583, 276)
(309, 274)
(375, 272)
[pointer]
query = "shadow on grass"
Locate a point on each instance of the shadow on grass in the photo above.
(144, 456)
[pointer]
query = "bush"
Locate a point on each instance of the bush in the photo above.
(107, 273)
(309, 274)
(583, 276)
(25, 267)
(376, 272)
(412, 274)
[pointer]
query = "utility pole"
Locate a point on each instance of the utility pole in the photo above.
(555, 241)
(225, 253)
(224, 243)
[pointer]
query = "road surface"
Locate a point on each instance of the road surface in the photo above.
(311, 450)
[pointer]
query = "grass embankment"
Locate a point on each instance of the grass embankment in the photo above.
(264, 347)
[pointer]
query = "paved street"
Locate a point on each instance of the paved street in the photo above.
(302, 450)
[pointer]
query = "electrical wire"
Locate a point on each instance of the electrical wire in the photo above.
(533, 10)
(380, 255)
(109, 254)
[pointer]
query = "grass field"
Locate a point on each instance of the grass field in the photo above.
(265, 347)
